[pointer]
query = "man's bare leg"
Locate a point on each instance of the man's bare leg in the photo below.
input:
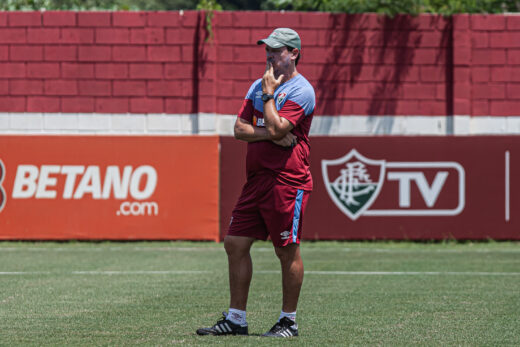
(240, 269)
(240, 273)
(292, 275)
(292, 279)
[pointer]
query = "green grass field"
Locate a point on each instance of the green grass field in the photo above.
(158, 293)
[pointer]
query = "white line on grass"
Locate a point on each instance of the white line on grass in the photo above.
(166, 272)
(257, 249)
(110, 249)
(344, 273)
(428, 250)
(402, 273)
(10, 273)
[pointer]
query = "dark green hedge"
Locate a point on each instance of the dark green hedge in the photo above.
(389, 7)
(392, 7)
(97, 4)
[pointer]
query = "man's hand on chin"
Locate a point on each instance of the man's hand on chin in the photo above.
(269, 82)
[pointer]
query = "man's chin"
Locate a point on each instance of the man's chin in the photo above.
(277, 74)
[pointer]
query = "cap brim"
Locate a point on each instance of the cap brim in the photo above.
(271, 43)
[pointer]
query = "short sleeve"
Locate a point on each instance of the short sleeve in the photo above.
(299, 103)
(247, 108)
(246, 111)
(293, 112)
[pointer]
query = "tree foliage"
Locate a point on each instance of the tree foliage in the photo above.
(156, 5)
(393, 7)
(389, 7)
(147, 5)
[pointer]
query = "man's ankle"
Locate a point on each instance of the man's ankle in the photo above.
(237, 316)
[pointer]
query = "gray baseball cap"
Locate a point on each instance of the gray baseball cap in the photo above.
(282, 37)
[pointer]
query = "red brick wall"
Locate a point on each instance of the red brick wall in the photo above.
(494, 68)
(155, 62)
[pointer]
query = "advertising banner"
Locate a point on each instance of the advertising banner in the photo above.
(418, 188)
(108, 187)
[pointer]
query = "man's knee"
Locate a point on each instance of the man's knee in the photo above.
(288, 253)
(237, 245)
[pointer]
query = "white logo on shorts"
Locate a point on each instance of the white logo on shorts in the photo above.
(285, 235)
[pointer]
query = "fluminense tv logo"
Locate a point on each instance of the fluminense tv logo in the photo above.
(354, 183)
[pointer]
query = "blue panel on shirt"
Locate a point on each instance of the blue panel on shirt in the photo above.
(297, 89)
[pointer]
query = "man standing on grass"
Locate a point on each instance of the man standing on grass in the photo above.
(275, 119)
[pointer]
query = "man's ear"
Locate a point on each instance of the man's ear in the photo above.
(294, 53)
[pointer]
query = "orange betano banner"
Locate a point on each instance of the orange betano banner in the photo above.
(108, 187)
